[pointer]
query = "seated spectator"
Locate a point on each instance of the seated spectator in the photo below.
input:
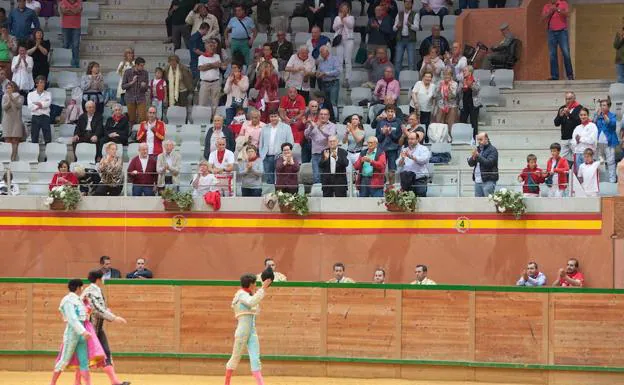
(142, 173)
(316, 41)
(301, 68)
(446, 96)
(339, 277)
(435, 40)
(371, 166)
(484, 161)
(13, 129)
(502, 52)
(22, 67)
(250, 172)
(88, 127)
(141, 272)
(412, 125)
(315, 11)
(570, 275)
(317, 134)
(433, 64)
(152, 132)
(354, 139)
(63, 176)
(221, 160)
(272, 135)
(7, 187)
(531, 276)
(388, 133)
(236, 86)
(88, 179)
(287, 171)
(531, 177)
(282, 50)
(412, 165)
(585, 136)
(116, 129)
(421, 100)
(457, 61)
(380, 31)
(588, 174)
(39, 50)
(421, 276)
(291, 110)
(111, 173)
(376, 65)
(469, 101)
(379, 276)
(267, 83)
(39, 102)
(168, 166)
(22, 21)
(435, 8)
(333, 169)
(92, 85)
(179, 82)
(204, 181)
(381, 115)
(107, 269)
(608, 141)
(218, 130)
(279, 277)
(556, 175)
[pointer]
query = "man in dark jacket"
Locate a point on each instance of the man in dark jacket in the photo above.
(333, 168)
(141, 272)
(568, 118)
(484, 161)
(502, 52)
(435, 40)
(282, 50)
(109, 272)
(381, 31)
(221, 131)
(89, 126)
(315, 11)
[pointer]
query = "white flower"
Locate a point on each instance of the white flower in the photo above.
(62, 194)
(55, 188)
(502, 209)
(292, 198)
(490, 196)
(48, 201)
(503, 190)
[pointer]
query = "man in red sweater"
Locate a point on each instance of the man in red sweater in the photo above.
(142, 173)
(152, 132)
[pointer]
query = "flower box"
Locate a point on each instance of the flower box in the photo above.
(57, 204)
(173, 206)
(392, 207)
(286, 209)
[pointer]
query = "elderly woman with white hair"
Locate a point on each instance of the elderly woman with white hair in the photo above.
(110, 169)
(301, 68)
(168, 166)
(117, 128)
(204, 181)
(88, 179)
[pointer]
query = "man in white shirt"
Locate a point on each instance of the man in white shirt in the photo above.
(300, 68)
(588, 174)
(221, 163)
(412, 165)
(271, 138)
(210, 77)
(168, 166)
(406, 24)
(39, 101)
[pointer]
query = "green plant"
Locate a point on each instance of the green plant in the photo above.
(297, 203)
(184, 200)
(404, 200)
(508, 201)
(69, 195)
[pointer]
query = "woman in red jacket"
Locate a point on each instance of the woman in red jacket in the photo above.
(63, 176)
(153, 133)
(267, 84)
(372, 168)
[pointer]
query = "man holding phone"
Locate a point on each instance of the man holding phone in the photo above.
(556, 14)
(484, 161)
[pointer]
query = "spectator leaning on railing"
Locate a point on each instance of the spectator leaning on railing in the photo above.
(570, 275)
(142, 173)
(287, 171)
(531, 276)
(168, 166)
(333, 169)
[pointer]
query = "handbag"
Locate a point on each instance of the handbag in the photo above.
(337, 40)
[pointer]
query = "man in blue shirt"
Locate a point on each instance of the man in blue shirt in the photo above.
(242, 30)
(328, 75)
(531, 276)
(21, 20)
(197, 47)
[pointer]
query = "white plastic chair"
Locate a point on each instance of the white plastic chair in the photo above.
(358, 77)
(462, 133)
(360, 93)
(490, 96)
(176, 115)
(189, 133)
(407, 79)
(190, 152)
(5, 152)
(20, 171)
(85, 152)
(350, 110)
(56, 152)
(201, 115)
(67, 79)
(504, 78)
(61, 57)
(616, 92)
(299, 24)
(59, 96)
(28, 152)
(184, 55)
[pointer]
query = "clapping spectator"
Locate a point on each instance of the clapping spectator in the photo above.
(531, 177)
(333, 169)
(433, 64)
(63, 176)
(456, 60)
(168, 166)
(250, 169)
(89, 127)
(469, 101)
(301, 67)
(252, 129)
(287, 171)
(446, 96)
(12, 125)
(39, 50)
(136, 81)
(412, 164)
(484, 161)
(421, 100)
(387, 91)
(291, 110)
(406, 25)
(22, 67)
(142, 173)
(111, 174)
(141, 271)
(435, 40)
(236, 86)
(92, 85)
(267, 83)
(376, 65)
(608, 140)
(388, 133)
(152, 132)
(585, 136)
(570, 275)
(354, 138)
(204, 181)
(343, 25)
(318, 134)
(568, 119)
(531, 276)
(371, 166)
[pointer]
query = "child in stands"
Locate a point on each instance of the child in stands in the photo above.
(158, 92)
(588, 174)
(531, 177)
(556, 175)
(238, 120)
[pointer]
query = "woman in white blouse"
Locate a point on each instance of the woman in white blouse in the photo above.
(126, 64)
(22, 67)
(236, 86)
(203, 181)
(421, 99)
(343, 26)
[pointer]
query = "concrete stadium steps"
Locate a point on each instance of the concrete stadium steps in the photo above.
(94, 46)
(507, 159)
(145, 4)
(503, 116)
(126, 30)
(561, 85)
(115, 14)
(523, 99)
(523, 140)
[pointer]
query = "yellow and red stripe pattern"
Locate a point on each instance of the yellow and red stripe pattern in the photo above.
(423, 223)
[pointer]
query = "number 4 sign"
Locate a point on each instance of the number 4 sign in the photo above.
(462, 225)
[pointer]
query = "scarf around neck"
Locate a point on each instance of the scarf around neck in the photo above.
(173, 78)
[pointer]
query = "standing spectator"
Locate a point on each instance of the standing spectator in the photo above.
(469, 100)
(388, 133)
(39, 101)
(380, 32)
(333, 169)
(310, 117)
(12, 125)
(556, 172)
(301, 68)
(555, 14)
(316, 41)
(318, 135)
(588, 174)
(585, 136)
(287, 171)
(273, 134)
(198, 16)
(406, 25)
(22, 21)
(107, 269)
(204, 182)
(421, 276)
(8, 48)
(421, 100)
(568, 119)
(140, 271)
(608, 141)
(126, 64)
(250, 170)
(71, 11)
(252, 129)
(243, 32)
(531, 177)
(282, 49)
(34, 5)
(48, 8)
(502, 51)
(158, 92)
(618, 44)
(315, 13)
(446, 96)
(116, 129)
(433, 64)
(263, 16)
(267, 83)
(484, 161)
(531, 276)
(412, 165)
(339, 277)
(371, 166)
(435, 8)
(63, 176)
(152, 132)
(135, 82)
(179, 82)
(22, 66)
(217, 131)
(111, 174)
(179, 29)
(570, 275)
(168, 166)
(324, 102)
(197, 47)
(466, 4)
(328, 75)
(291, 110)
(39, 50)
(376, 65)
(209, 65)
(90, 124)
(142, 173)
(435, 40)
(92, 85)
(354, 139)
(457, 61)
(236, 86)
(344, 24)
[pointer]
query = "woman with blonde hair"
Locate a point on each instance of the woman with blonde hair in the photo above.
(344, 24)
(267, 83)
(446, 96)
(204, 181)
(12, 125)
(125, 64)
(110, 169)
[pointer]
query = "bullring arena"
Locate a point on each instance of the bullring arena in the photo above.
(476, 326)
